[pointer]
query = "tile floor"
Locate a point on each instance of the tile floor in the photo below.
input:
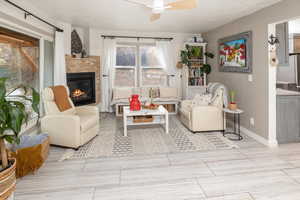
(253, 172)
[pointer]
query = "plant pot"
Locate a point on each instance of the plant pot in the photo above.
(232, 106)
(8, 180)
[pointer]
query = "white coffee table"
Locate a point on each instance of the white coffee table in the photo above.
(161, 116)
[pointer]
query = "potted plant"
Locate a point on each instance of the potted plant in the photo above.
(12, 116)
(196, 52)
(207, 67)
(232, 104)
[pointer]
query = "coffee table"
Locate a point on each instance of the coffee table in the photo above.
(161, 116)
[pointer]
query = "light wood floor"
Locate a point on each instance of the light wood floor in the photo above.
(252, 172)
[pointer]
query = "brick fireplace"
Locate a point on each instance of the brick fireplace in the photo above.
(82, 69)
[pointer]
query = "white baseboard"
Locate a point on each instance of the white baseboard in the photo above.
(257, 137)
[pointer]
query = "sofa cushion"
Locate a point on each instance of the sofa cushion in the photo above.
(136, 90)
(87, 121)
(71, 111)
(168, 92)
(122, 93)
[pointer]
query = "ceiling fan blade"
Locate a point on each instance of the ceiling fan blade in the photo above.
(154, 17)
(136, 2)
(182, 5)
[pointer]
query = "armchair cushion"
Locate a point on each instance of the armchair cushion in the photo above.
(87, 121)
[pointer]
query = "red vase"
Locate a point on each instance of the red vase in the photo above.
(135, 103)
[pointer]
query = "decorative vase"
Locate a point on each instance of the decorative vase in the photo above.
(135, 103)
(8, 180)
(232, 106)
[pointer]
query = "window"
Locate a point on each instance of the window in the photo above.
(19, 62)
(139, 65)
(125, 69)
(19, 59)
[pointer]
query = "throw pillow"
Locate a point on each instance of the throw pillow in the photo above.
(202, 100)
(154, 92)
(145, 92)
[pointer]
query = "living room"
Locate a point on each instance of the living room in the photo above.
(148, 99)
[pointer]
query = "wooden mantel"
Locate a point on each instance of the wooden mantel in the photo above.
(89, 64)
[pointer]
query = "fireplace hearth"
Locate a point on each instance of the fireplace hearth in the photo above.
(82, 88)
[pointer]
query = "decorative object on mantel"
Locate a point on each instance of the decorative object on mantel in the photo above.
(232, 105)
(13, 115)
(76, 44)
(84, 54)
(235, 53)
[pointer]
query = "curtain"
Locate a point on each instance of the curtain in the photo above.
(60, 77)
(109, 59)
(166, 51)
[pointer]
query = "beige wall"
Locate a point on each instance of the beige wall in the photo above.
(252, 96)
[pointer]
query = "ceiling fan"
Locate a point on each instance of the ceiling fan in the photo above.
(158, 6)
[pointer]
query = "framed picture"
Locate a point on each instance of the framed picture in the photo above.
(235, 53)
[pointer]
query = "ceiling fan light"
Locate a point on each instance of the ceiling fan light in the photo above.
(158, 3)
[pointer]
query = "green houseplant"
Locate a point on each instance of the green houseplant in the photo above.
(13, 115)
(232, 104)
(189, 52)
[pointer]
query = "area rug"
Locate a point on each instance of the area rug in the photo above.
(146, 140)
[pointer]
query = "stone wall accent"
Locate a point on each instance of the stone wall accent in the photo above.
(90, 64)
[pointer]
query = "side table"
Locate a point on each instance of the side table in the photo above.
(236, 123)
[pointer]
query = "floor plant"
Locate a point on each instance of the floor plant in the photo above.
(13, 115)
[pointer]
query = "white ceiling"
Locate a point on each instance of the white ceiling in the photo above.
(121, 15)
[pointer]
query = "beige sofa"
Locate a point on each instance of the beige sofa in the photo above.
(71, 128)
(167, 96)
(204, 118)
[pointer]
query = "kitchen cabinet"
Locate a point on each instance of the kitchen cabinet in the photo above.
(288, 118)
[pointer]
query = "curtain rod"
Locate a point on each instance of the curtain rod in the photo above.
(27, 13)
(135, 37)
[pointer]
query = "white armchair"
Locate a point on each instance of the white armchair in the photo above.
(204, 118)
(71, 128)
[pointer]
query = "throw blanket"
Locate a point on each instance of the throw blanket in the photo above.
(61, 98)
(214, 87)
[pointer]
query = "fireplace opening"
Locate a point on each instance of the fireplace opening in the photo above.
(82, 88)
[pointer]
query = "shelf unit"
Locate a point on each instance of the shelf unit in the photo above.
(192, 79)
